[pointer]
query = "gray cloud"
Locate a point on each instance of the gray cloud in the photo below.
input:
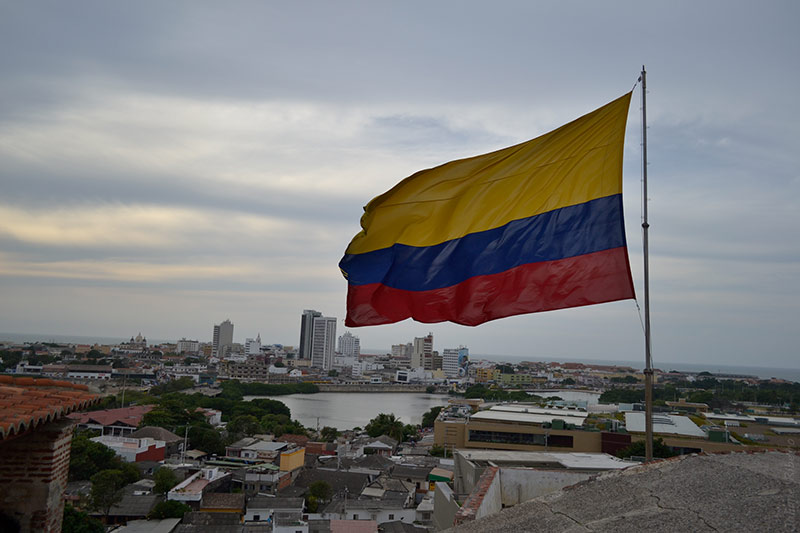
(165, 166)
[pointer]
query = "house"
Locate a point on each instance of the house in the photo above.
(135, 505)
(134, 450)
(123, 421)
(174, 443)
(212, 416)
(261, 508)
(254, 448)
(192, 489)
(216, 502)
(265, 478)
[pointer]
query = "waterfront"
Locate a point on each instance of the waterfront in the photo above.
(346, 410)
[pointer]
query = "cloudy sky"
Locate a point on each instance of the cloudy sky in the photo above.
(167, 165)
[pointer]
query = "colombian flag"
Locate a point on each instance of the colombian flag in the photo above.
(533, 227)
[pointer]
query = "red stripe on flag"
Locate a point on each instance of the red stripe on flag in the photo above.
(573, 282)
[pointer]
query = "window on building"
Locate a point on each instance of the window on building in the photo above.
(391, 517)
(506, 437)
(560, 441)
(355, 516)
(256, 517)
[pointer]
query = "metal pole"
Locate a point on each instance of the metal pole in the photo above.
(648, 370)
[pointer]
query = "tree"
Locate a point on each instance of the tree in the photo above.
(568, 381)
(130, 474)
(384, 424)
(246, 424)
(328, 434)
(333, 373)
(430, 389)
(638, 449)
(76, 521)
(88, 457)
(165, 479)
(169, 509)
(321, 490)
(206, 439)
(430, 417)
(107, 488)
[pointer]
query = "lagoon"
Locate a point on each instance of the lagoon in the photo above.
(347, 410)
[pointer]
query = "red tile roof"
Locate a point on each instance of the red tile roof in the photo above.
(27, 403)
(127, 416)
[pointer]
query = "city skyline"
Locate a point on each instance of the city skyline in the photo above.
(165, 167)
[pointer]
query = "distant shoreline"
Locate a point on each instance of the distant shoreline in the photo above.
(762, 372)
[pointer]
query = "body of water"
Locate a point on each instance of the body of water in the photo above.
(591, 398)
(346, 410)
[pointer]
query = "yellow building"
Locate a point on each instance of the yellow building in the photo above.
(482, 375)
(518, 427)
(516, 379)
(292, 459)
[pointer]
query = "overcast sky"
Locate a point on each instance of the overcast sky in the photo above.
(167, 165)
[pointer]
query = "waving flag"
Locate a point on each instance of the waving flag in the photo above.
(534, 227)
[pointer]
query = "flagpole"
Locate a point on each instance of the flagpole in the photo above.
(648, 369)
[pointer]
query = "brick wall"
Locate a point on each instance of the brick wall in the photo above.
(33, 476)
(484, 500)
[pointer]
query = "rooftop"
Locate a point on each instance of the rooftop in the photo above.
(664, 424)
(714, 492)
(575, 461)
(26, 403)
(126, 416)
(570, 417)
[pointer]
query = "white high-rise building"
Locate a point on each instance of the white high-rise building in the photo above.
(422, 354)
(223, 339)
(306, 333)
(187, 346)
(349, 345)
(323, 342)
(402, 351)
(253, 346)
(454, 361)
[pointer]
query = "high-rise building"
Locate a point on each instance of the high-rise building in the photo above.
(253, 346)
(307, 332)
(422, 354)
(223, 339)
(454, 361)
(349, 345)
(323, 342)
(402, 351)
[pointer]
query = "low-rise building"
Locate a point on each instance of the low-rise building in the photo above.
(134, 450)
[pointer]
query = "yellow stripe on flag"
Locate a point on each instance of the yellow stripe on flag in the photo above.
(573, 164)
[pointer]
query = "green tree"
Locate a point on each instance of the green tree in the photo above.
(332, 373)
(321, 490)
(244, 424)
(328, 434)
(88, 457)
(76, 521)
(206, 439)
(165, 479)
(169, 509)
(568, 381)
(638, 449)
(107, 488)
(386, 424)
(430, 389)
(130, 474)
(430, 417)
